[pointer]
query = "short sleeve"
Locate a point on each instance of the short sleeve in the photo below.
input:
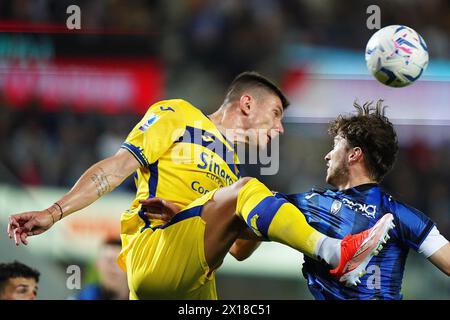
(432, 243)
(160, 127)
(412, 226)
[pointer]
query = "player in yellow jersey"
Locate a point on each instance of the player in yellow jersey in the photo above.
(181, 155)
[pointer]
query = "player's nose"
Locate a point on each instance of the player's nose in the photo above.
(279, 127)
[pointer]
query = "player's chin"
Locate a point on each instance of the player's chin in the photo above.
(257, 141)
(263, 142)
(329, 177)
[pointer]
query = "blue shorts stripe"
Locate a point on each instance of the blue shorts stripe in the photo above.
(183, 215)
(142, 215)
(180, 216)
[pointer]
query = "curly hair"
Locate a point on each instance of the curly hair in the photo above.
(372, 131)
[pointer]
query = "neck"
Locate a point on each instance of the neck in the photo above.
(354, 181)
(219, 120)
(228, 124)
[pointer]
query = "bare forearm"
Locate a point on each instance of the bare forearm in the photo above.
(93, 184)
(98, 180)
(441, 259)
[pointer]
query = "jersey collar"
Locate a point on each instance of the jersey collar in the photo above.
(362, 188)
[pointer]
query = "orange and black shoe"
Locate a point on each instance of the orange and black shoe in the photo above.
(358, 249)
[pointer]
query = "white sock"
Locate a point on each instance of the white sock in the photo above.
(329, 250)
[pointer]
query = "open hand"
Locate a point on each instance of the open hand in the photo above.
(23, 225)
(157, 208)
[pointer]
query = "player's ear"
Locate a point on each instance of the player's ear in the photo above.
(355, 155)
(245, 103)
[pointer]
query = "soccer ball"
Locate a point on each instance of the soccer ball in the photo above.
(396, 55)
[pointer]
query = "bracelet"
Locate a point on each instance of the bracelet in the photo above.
(53, 219)
(60, 209)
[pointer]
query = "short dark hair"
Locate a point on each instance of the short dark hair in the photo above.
(16, 270)
(112, 242)
(249, 80)
(372, 131)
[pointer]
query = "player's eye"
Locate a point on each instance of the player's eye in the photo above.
(21, 290)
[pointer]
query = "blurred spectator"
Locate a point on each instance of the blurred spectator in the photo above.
(216, 32)
(18, 281)
(112, 281)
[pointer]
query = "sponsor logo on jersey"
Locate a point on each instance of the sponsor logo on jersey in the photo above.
(209, 163)
(149, 122)
(367, 210)
(196, 186)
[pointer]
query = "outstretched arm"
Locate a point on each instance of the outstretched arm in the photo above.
(101, 178)
(441, 259)
(98, 180)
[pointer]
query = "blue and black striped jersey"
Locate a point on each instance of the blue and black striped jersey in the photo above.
(338, 213)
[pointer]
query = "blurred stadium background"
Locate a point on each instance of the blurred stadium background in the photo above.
(69, 98)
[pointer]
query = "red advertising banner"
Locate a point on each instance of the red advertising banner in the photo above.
(107, 85)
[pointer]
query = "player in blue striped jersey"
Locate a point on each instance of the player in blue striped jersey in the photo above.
(365, 147)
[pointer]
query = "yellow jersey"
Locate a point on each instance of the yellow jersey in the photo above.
(182, 156)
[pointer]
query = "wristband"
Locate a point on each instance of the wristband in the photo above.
(60, 209)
